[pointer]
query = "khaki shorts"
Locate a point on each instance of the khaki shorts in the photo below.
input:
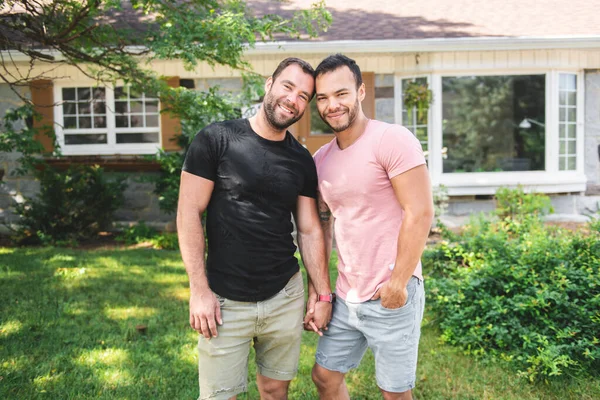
(274, 326)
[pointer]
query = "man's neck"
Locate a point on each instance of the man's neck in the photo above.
(347, 137)
(263, 128)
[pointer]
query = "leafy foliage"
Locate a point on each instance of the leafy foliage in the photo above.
(140, 233)
(72, 205)
(517, 290)
(22, 139)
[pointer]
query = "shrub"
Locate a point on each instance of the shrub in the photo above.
(72, 205)
(165, 241)
(137, 233)
(141, 233)
(515, 289)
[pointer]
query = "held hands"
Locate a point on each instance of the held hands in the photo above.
(205, 313)
(318, 314)
(393, 295)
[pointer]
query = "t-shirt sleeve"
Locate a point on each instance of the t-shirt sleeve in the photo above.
(310, 180)
(202, 157)
(399, 151)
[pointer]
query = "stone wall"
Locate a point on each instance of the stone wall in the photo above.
(592, 131)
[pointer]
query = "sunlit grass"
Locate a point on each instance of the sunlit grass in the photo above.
(114, 325)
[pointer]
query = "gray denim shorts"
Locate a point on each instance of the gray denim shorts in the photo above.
(273, 327)
(392, 335)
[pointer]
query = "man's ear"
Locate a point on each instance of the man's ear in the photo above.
(362, 92)
(268, 84)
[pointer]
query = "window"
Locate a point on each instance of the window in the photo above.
(567, 122)
(411, 119)
(494, 123)
(486, 131)
(104, 120)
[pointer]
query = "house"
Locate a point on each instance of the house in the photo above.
(515, 85)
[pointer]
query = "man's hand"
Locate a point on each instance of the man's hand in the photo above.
(393, 295)
(322, 314)
(205, 313)
(309, 323)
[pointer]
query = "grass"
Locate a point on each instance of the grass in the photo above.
(68, 323)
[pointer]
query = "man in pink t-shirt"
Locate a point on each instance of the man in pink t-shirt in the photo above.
(373, 181)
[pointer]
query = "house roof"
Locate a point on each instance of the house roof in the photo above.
(426, 19)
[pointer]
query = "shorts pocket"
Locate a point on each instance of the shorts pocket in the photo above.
(294, 287)
(220, 299)
(411, 288)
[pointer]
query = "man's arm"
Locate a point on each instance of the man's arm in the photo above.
(312, 250)
(194, 196)
(326, 220)
(413, 191)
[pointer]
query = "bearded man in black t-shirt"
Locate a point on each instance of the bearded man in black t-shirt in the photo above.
(251, 175)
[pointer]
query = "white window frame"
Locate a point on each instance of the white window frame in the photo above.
(551, 180)
(111, 147)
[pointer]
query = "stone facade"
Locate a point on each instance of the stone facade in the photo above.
(592, 132)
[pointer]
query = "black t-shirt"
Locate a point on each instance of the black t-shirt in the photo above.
(249, 227)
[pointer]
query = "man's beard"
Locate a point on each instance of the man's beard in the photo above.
(352, 113)
(270, 104)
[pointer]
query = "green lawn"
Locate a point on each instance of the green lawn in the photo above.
(68, 331)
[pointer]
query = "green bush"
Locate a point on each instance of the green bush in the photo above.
(141, 233)
(137, 233)
(165, 241)
(72, 205)
(529, 296)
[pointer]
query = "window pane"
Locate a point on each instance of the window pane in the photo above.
(99, 107)
(83, 108)
(99, 122)
(571, 147)
(137, 121)
(100, 93)
(481, 123)
(137, 137)
(96, 138)
(572, 129)
(151, 120)
(151, 106)
(571, 161)
(120, 93)
(572, 98)
(69, 108)
(120, 107)
(136, 107)
(562, 114)
(572, 114)
(68, 94)
(83, 94)
(562, 147)
(70, 123)
(568, 82)
(317, 126)
(85, 122)
(122, 122)
(562, 131)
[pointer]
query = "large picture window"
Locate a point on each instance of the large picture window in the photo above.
(105, 120)
(494, 123)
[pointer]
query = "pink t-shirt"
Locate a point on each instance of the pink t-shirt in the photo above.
(355, 184)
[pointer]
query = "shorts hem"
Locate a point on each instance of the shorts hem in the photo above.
(277, 375)
(340, 370)
(396, 389)
(224, 394)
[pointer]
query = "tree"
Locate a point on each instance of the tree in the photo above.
(112, 40)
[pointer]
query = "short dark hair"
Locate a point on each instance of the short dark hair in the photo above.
(306, 67)
(336, 61)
